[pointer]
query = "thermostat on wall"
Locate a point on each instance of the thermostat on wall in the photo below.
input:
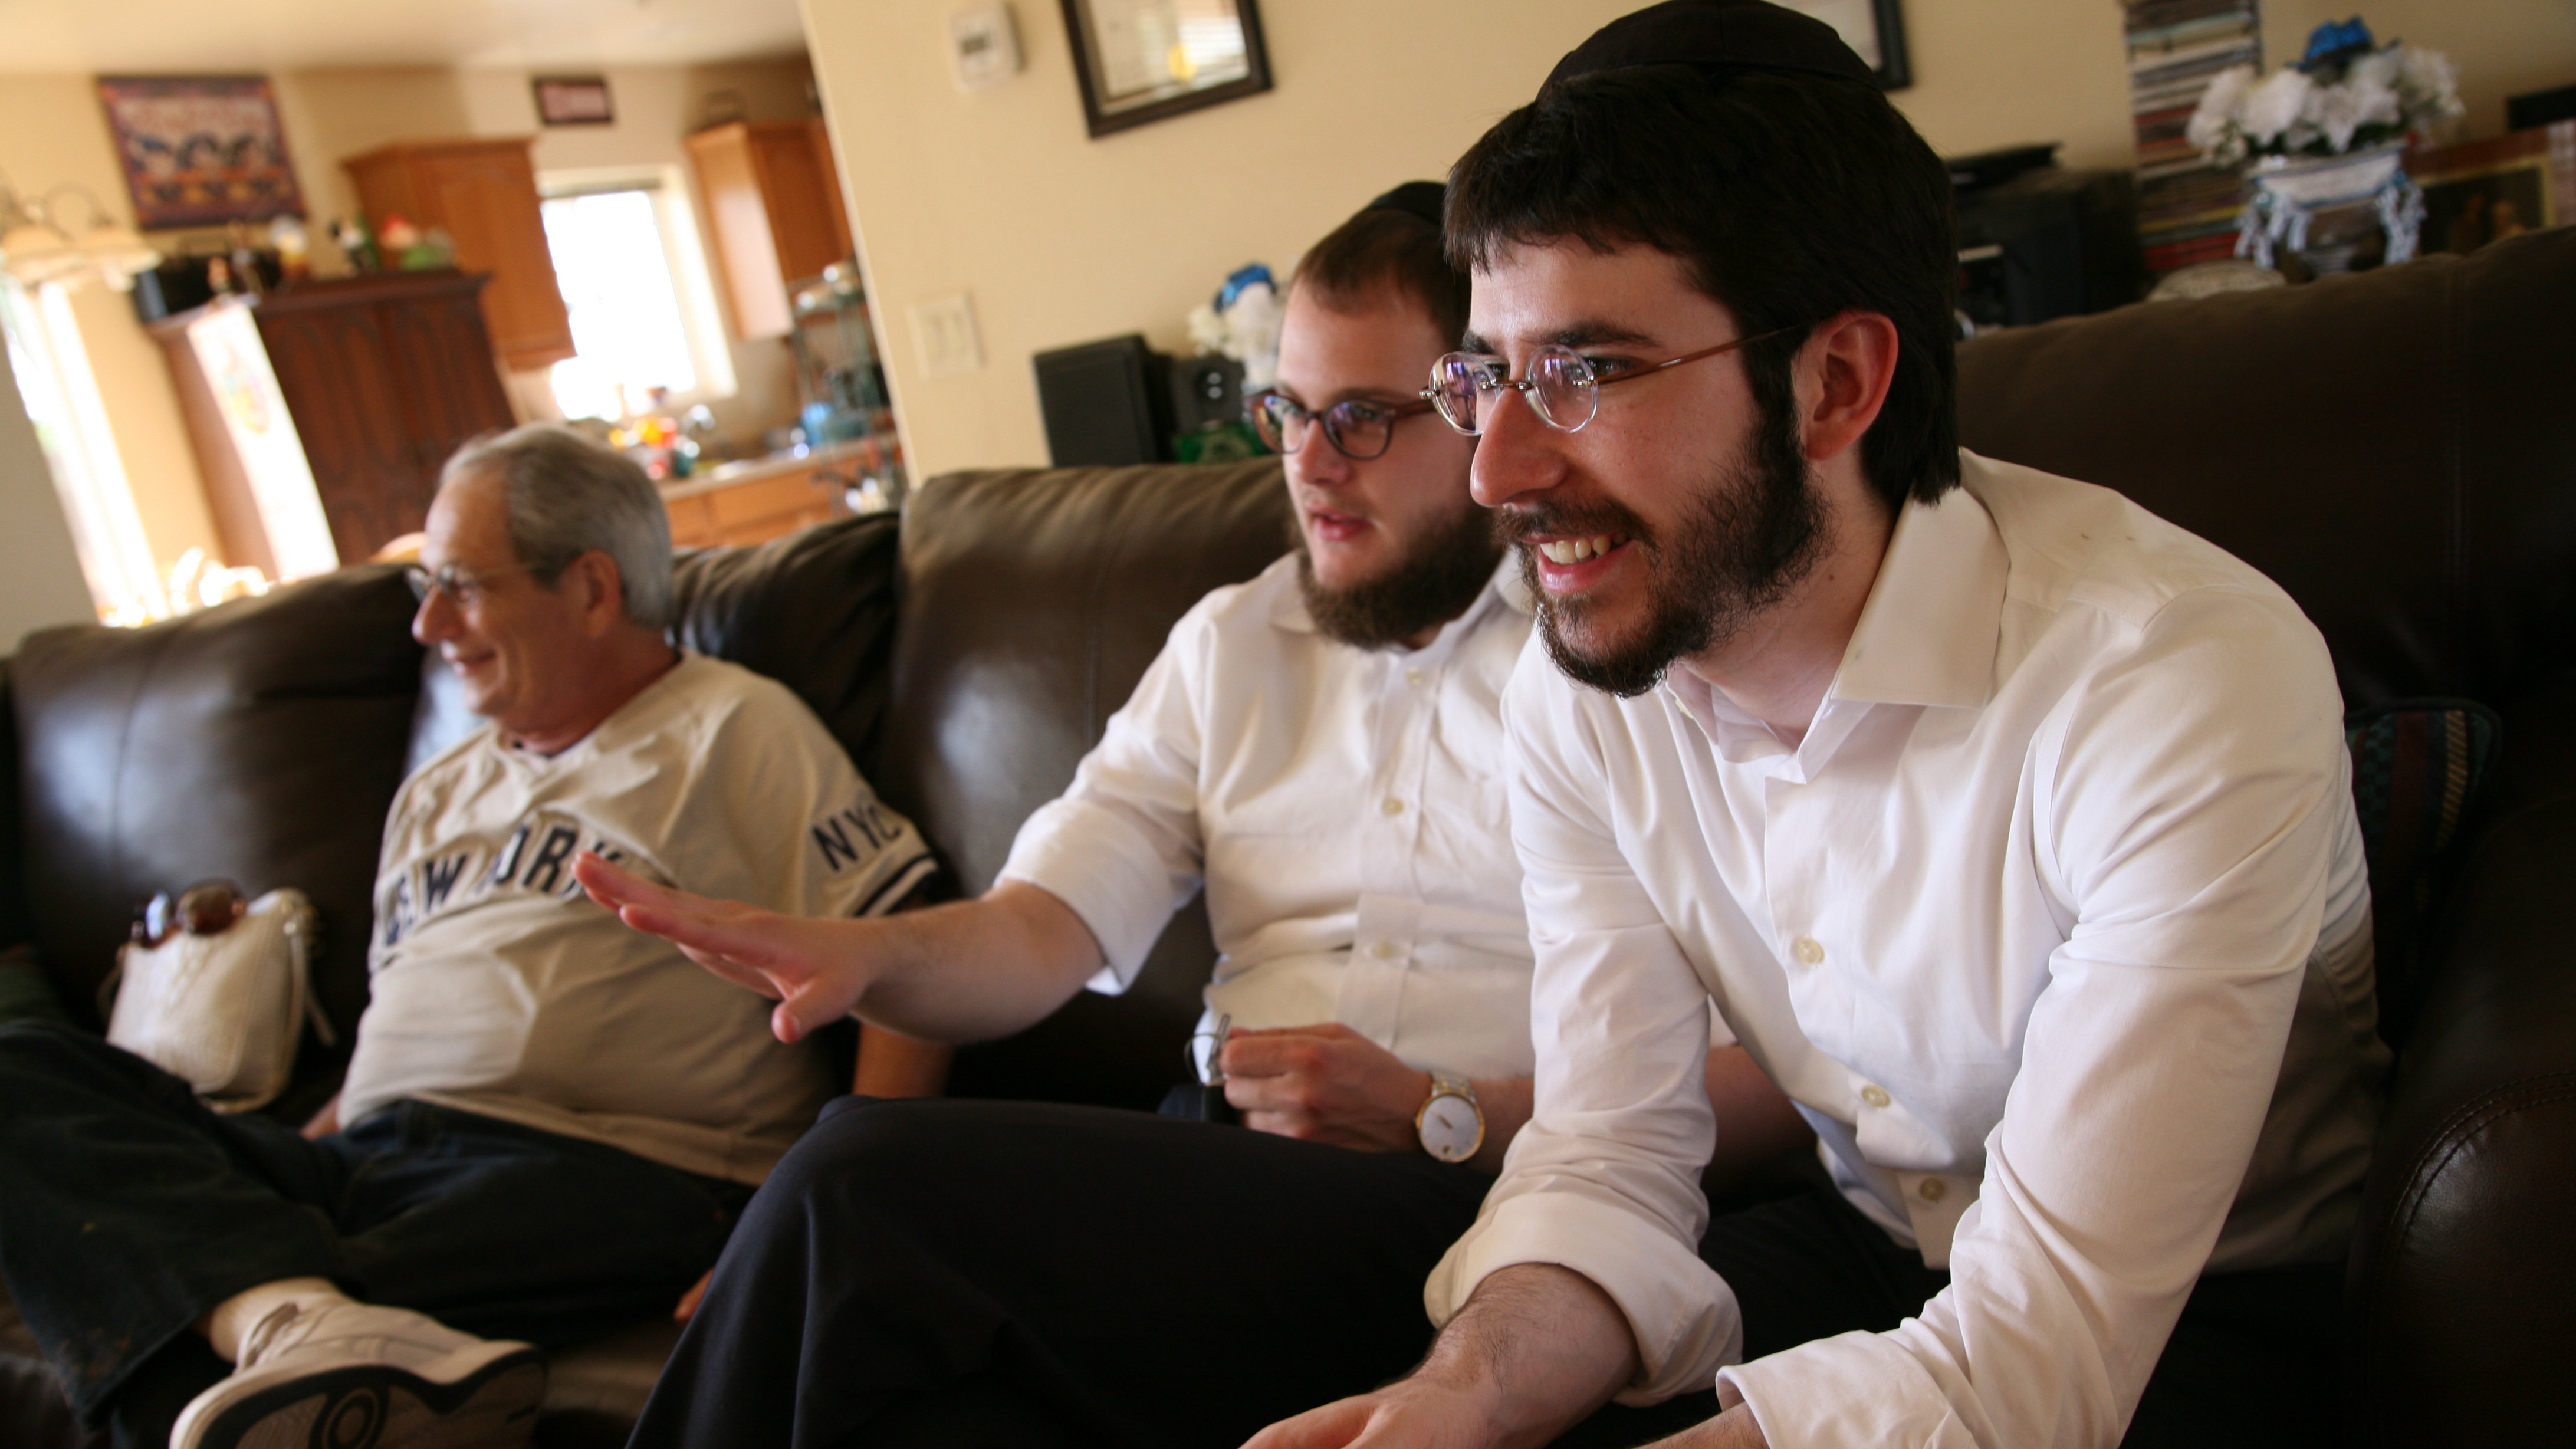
(984, 45)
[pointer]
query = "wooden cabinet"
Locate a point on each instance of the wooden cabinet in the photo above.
(706, 512)
(773, 196)
(385, 376)
(483, 193)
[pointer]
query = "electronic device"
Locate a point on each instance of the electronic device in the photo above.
(2037, 240)
(1106, 403)
(983, 45)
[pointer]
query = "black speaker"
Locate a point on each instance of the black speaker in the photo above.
(1106, 403)
(2043, 242)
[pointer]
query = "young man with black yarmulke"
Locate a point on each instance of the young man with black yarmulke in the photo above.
(2005, 824)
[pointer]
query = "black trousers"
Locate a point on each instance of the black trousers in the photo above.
(965, 1273)
(127, 1210)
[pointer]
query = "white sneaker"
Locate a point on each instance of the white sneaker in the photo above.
(355, 1376)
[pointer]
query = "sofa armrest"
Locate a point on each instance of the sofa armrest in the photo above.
(2463, 1263)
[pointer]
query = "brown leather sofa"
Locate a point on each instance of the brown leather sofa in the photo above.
(2398, 449)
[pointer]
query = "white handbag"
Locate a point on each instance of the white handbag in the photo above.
(224, 1012)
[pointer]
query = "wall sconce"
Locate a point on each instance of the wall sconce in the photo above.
(36, 248)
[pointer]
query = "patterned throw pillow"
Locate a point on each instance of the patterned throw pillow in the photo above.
(2416, 764)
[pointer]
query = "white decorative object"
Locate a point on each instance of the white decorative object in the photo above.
(983, 45)
(2290, 191)
(2328, 136)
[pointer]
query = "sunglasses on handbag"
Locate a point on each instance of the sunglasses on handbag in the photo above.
(207, 908)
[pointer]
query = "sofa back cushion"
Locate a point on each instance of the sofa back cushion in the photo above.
(2395, 448)
(1033, 600)
(261, 741)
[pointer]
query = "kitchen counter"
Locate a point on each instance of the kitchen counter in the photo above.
(754, 500)
(754, 470)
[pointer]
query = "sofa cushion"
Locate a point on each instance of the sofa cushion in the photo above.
(260, 741)
(814, 610)
(1033, 600)
(2394, 448)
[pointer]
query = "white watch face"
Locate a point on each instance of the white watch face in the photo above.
(1451, 1128)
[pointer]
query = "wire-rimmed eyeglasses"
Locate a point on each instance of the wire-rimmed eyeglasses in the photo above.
(463, 587)
(1561, 385)
(1361, 429)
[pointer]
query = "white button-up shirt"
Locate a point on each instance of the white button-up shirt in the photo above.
(1345, 808)
(2053, 924)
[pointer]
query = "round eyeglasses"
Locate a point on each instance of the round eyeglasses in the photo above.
(1561, 385)
(1360, 429)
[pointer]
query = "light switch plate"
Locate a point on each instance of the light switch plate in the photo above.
(983, 45)
(943, 330)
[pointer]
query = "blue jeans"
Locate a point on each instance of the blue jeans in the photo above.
(128, 1211)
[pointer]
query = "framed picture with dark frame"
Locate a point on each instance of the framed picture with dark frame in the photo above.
(574, 100)
(200, 150)
(1875, 28)
(1140, 61)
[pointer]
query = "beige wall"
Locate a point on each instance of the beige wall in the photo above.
(40, 577)
(2502, 47)
(332, 114)
(1060, 239)
(52, 130)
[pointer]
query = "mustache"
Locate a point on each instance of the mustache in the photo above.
(1518, 523)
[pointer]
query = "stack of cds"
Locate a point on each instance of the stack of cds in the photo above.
(2187, 209)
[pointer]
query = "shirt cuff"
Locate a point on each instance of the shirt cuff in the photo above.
(1851, 1389)
(1683, 1315)
(1102, 866)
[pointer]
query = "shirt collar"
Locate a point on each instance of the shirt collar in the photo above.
(1505, 590)
(1934, 618)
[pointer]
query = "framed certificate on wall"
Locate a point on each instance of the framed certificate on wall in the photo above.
(1145, 60)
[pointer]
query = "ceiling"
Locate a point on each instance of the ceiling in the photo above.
(212, 36)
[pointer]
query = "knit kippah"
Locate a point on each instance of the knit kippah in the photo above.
(1720, 35)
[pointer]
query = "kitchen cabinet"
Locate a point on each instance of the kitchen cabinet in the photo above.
(773, 197)
(384, 377)
(482, 193)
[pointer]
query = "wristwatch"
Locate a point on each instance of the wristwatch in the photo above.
(1450, 1124)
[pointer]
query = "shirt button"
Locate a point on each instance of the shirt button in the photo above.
(1931, 1189)
(1413, 676)
(1383, 950)
(1875, 1096)
(1393, 807)
(1808, 951)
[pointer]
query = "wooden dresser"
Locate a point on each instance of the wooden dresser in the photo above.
(385, 376)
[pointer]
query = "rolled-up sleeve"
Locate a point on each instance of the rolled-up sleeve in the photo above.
(1605, 1178)
(2188, 798)
(1122, 845)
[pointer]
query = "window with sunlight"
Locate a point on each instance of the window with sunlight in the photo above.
(617, 283)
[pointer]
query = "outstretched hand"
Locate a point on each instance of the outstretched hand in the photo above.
(811, 968)
(1324, 1083)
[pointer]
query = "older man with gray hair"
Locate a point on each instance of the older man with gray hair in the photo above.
(549, 1122)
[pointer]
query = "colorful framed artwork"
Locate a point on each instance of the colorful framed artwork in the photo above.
(200, 150)
(574, 100)
(1144, 60)
(1875, 28)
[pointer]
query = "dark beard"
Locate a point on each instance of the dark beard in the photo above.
(1430, 585)
(1744, 544)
